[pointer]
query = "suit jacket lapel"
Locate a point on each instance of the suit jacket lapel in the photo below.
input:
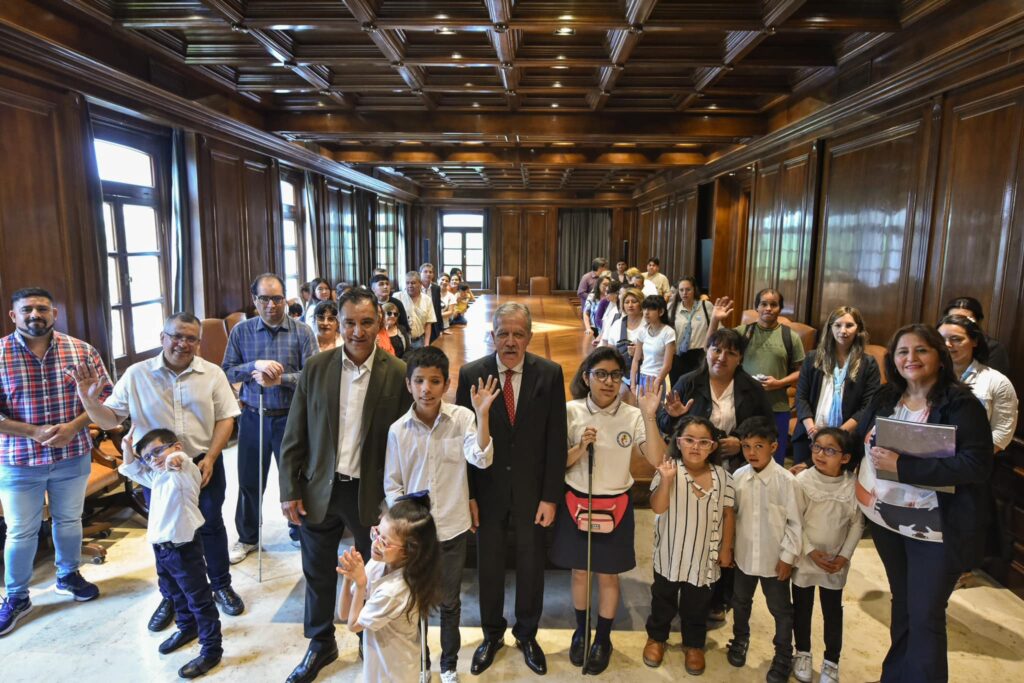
(526, 387)
(332, 382)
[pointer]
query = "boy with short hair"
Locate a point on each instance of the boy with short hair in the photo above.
(174, 518)
(768, 542)
(428, 448)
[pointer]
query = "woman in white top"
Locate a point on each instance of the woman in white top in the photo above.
(655, 347)
(319, 290)
(448, 301)
(604, 434)
(325, 318)
(622, 333)
(690, 317)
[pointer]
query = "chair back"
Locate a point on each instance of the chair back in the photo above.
(540, 284)
(215, 340)
(233, 319)
(506, 284)
(808, 335)
(878, 353)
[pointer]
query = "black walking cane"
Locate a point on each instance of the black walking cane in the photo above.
(590, 527)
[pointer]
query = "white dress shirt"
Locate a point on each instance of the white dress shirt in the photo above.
(996, 393)
(391, 644)
(433, 457)
(420, 313)
(189, 404)
(620, 426)
(660, 282)
(650, 288)
(517, 378)
(767, 519)
(831, 522)
(174, 515)
(723, 408)
(824, 407)
(351, 399)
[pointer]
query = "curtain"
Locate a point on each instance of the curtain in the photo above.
(487, 282)
(366, 224)
(180, 235)
(314, 221)
(94, 189)
(583, 235)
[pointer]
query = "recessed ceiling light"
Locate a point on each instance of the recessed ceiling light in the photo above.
(560, 57)
(456, 55)
(469, 85)
(556, 84)
(712, 106)
(554, 105)
(566, 17)
(476, 105)
(559, 66)
(444, 31)
(320, 104)
(565, 31)
(441, 16)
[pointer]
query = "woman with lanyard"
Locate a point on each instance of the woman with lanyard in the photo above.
(924, 537)
(690, 316)
(969, 350)
(617, 432)
(837, 382)
(622, 333)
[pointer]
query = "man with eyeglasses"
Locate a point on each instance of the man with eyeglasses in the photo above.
(266, 354)
(178, 389)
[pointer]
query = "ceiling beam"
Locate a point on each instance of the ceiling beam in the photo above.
(509, 157)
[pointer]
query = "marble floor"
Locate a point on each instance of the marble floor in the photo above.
(106, 640)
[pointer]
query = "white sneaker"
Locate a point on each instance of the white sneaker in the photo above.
(239, 551)
(449, 677)
(802, 667)
(829, 672)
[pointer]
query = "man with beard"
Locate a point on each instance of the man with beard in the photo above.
(44, 448)
(192, 397)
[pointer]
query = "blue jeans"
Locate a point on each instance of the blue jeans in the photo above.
(22, 492)
(249, 493)
(782, 425)
(182, 575)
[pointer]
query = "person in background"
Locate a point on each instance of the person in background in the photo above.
(690, 317)
(448, 301)
(44, 449)
(620, 272)
(593, 302)
(607, 308)
(586, 286)
(655, 347)
(326, 318)
(458, 279)
(321, 290)
(433, 290)
(295, 311)
(462, 300)
(622, 334)
(305, 294)
(638, 281)
(420, 309)
(397, 337)
(968, 306)
(380, 285)
(341, 289)
(657, 278)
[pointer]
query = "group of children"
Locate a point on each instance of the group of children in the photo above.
(787, 533)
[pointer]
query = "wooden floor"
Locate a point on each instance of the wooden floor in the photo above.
(557, 334)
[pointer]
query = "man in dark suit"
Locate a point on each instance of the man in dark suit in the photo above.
(427, 277)
(332, 461)
(522, 488)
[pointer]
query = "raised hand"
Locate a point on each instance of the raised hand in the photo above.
(90, 387)
(482, 394)
(350, 565)
(128, 446)
(675, 407)
(647, 400)
(667, 469)
(723, 308)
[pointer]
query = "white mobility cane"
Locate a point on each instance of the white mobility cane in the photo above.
(259, 539)
(590, 527)
(424, 671)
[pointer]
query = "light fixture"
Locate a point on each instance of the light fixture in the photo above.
(456, 55)
(556, 84)
(554, 105)
(712, 106)
(560, 66)
(565, 31)
(566, 17)
(444, 31)
(469, 85)
(476, 105)
(442, 17)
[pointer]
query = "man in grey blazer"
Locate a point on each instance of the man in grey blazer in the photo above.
(332, 460)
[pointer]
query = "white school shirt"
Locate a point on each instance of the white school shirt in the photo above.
(355, 379)
(420, 314)
(698, 324)
(654, 344)
(609, 315)
(391, 640)
(433, 457)
(189, 404)
(723, 408)
(997, 394)
(619, 427)
(448, 300)
(831, 522)
(686, 537)
(517, 379)
(610, 333)
(174, 515)
(649, 288)
(660, 282)
(767, 519)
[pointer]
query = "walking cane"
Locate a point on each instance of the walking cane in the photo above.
(590, 526)
(424, 672)
(259, 540)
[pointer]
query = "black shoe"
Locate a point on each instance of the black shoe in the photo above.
(533, 655)
(781, 668)
(600, 653)
(484, 655)
(737, 654)
(177, 639)
(229, 601)
(311, 664)
(198, 666)
(162, 617)
(576, 648)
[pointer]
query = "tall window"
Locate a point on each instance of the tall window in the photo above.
(462, 245)
(292, 237)
(130, 169)
(386, 237)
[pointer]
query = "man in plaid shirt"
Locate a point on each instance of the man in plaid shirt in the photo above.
(44, 448)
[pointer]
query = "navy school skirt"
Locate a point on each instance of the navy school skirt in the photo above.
(609, 553)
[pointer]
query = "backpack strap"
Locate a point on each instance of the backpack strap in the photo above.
(787, 341)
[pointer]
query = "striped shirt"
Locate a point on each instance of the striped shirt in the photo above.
(251, 340)
(688, 536)
(38, 392)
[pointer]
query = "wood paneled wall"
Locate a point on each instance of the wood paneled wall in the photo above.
(667, 231)
(49, 223)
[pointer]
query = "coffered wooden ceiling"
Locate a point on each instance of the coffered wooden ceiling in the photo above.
(588, 96)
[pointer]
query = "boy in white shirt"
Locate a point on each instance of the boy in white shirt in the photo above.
(428, 449)
(174, 518)
(768, 542)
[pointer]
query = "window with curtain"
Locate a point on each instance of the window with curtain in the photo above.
(462, 244)
(293, 238)
(386, 237)
(583, 235)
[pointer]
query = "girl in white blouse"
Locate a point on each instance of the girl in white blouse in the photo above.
(396, 590)
(832, 527)
(693, 539)
(655, 347)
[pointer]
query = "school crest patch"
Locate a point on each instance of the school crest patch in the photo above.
(624, 439)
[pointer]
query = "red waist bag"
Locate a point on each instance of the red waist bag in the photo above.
(607, 511)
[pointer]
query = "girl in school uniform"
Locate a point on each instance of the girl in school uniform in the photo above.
(693, 538)
(396, 590)
(617, 431)
(832, 526)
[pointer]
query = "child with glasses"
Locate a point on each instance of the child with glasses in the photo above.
(174, 518)
(692, 498)
(832, 526)
(601, 426)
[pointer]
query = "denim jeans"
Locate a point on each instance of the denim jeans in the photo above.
(22, 492)
(249, 494)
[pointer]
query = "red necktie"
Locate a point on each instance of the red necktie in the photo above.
(510, 397)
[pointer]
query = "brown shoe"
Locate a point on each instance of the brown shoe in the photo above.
(654, 652)
(694, 661)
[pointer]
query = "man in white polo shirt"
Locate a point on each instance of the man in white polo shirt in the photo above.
(180, 391)
(420, 308)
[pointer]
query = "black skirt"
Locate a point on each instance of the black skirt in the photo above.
(609, 553)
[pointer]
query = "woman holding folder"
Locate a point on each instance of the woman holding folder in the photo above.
(924, 537)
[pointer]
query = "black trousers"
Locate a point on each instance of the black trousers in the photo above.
(722, 597)
(320, 558)
(491, 543)
(692, 604)
(780, 604)
(453, 559)
(684, 363)
(831, 613)
(181, 573)
(921, 581)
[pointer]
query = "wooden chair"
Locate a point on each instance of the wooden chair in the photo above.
(233, 319)
(878, 353)
(215, 340)
(506, 284)
(808, 335)
(540, 285)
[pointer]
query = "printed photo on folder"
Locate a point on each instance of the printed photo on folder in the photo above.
(918, 440)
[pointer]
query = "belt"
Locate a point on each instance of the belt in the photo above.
(342, 478)
(277, 412)
(171, 545)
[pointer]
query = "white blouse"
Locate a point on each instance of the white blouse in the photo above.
(723, 408)
(996, 393)
(620, 426)
(391, 647)
(832, 523)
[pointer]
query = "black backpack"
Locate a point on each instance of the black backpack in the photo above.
(622, 346)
